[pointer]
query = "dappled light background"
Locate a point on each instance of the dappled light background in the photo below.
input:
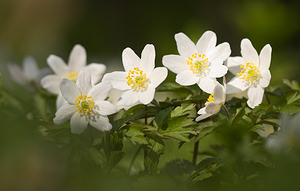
(105, 28)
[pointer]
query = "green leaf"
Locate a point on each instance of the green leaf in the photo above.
(115, 158)
(182, 110)
(292, 84)
(161, 117)
(291, 98)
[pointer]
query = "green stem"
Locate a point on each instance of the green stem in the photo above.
(196, 145)
(267, 98)
(226, 111)
(133, 158)
(145, 150)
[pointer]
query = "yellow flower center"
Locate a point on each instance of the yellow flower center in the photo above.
(72, 76)
(211, 98)
(137, 79)
(84, 104)
(198, 63)
(249, 73)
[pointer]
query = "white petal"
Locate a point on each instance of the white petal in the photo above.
(84, 82)
(213, 108)
(220, 53)
(265, 57)
(186, 78)
(147, 96)
(106, 108)
(77, 59)
(117, 79)
(31, 70)
(44, 71)
(206, 42)
(78, 123)
(64, 113)
(265, 78)
(130, 59)
(51, 83)
(158, 75)
(128, 98)
(248, 52)
(57, 65)
(97, 71)
(255, 96)
(100, 91)
(235, 85)
(101, 123)
(234, 64)
(16, 73)
(147, 59)
(217, 70)
(175, 63)
(203, 116)
(69, 90)
(202, 111)
(207, 84)
(219, 93)
(184, 45)
(60, 100)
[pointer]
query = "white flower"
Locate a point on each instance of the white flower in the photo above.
(85, 104)
(30, 73)
(140, 77)
(214, 103)
(252, 72)
(198, 64)
(77, 61)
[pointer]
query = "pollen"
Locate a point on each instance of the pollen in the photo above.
(249, 73)
(72, 76)
(84, 104)
(211, 98)
(137, 79)
(198, 63)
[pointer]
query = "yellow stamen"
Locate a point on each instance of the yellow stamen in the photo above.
(137, 79)
(211, 98)
(249, 73)
(72, 76)
(198, 63)
(84, 104)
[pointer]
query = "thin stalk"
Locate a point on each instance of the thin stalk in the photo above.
(146, 122)
(196, 145)
(226, 111)
(267, 97)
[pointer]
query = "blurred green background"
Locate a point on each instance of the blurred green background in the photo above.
(42, 27)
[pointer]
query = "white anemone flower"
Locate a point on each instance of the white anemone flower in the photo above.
(198, 64)
(252, 72)
(85, 104)
(77, 61)
(214, 102)
(29, 73)
(139, 79)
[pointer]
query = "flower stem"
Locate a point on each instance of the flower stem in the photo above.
(267, 98)
(145, 150)
(146, 116)
(196, 145)
(226, 111)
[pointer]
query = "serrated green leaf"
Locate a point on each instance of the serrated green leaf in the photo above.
(162, 117)
(182, 110)
(292, 84)
(293, 97)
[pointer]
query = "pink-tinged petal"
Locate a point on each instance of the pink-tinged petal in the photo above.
(207, 84)
(203, 116)
(64, 113)
(117, 79)
(57, 65)
(217, 70)
(69, 90)
(202, 111)
(97, 71)
(101, 123)
(206, 42)
(185, 46)
(234, 64)
(17, 74)
(265, 78)
(147, 96)
(175, 63)
(78, 123)
(255, 96)
(219, 93)
(31, 70)
(105, 108)
(100, 91)
(186, 78)
(51, 83)
(220, 53)
(77, 59)
(236, 85)
(60, 100)
(147, 58)
(265, 57)
(248, 52)
(130, 59)
(158, 75)
(84, 82)
(212, 108)
(128, 98)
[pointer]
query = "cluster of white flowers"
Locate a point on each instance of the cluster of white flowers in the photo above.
(81, 98)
